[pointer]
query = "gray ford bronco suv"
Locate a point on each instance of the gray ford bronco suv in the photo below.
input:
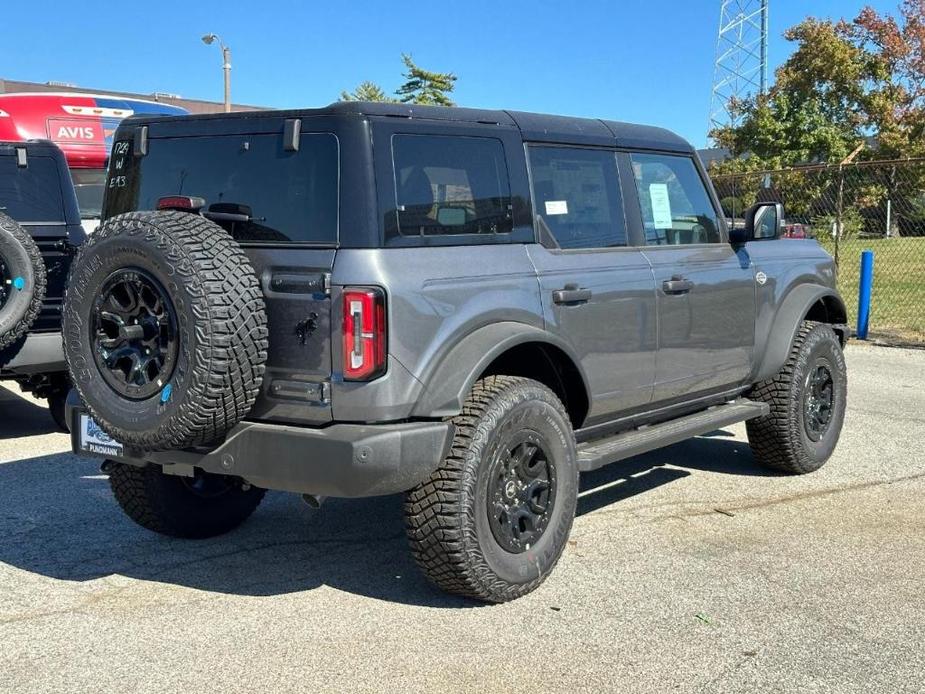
(467, 306)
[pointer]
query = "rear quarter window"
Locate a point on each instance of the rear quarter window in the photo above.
(273, 195)
(449, 186)
(31, 193)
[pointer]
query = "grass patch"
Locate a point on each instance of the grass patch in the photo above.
(898, 295)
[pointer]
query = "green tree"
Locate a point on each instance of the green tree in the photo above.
(367, 91)
(845, 80)
(425, 87)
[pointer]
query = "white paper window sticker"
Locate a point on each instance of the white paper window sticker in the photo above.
(661, 205)
(556, 207)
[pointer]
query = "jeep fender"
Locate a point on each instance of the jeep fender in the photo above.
(448, 383)
(790, 314)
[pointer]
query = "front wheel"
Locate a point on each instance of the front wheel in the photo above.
(807, 399)
(201, 506)
(491, 522)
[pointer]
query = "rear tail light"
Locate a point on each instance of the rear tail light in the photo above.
(364, 334)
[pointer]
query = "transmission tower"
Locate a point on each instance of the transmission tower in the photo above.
(741, 65)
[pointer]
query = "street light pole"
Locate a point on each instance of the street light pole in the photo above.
(209, 39)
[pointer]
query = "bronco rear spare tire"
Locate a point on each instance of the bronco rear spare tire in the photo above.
(22, 281)
(165, 329)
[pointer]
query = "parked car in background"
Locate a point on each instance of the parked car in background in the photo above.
(467, 306)
(40, 229)
(797, 228)
(82, 125)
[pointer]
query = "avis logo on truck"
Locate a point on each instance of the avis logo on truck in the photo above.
(75, 132)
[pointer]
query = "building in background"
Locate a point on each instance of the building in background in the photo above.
(190, 105)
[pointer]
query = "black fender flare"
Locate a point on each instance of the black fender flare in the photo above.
(447, 384)
(793, 309)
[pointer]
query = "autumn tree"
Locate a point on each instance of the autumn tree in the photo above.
(845, 81)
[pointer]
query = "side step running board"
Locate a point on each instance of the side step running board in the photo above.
(600, 452)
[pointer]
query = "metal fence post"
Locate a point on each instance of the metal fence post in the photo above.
(838, 210)
(864, 291)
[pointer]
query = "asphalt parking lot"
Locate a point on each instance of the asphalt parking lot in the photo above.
(690, 569)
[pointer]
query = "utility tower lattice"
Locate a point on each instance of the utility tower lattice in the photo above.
(740, 69)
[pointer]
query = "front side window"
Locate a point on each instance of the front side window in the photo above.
(31, 193)
(676, 209)
(577, 197)
(449, 185)
(252, 186)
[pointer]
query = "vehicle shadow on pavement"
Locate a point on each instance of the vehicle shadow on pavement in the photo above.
(715, 452)
(22, 417)
(58, 519)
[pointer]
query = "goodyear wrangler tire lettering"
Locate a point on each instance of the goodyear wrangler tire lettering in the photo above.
(22, 281)
(165, 302)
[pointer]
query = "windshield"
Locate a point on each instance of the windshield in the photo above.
(89, 185)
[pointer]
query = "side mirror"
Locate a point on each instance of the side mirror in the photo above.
(764, 220)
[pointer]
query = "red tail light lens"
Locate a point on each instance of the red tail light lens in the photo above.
(364, 334)
(183, 203)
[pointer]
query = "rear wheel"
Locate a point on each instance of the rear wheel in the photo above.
(201, 506)
(807, 399)
(491, 522)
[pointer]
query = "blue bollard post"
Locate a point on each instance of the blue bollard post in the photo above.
(867, 281)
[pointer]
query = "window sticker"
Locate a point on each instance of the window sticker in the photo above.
(661, 205)
(556, 207)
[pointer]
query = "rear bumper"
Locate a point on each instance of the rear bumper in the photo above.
(38, 353)
(341, 460)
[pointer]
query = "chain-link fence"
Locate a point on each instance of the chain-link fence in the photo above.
(848, 208)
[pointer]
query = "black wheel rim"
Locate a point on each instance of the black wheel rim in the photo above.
(6, 283)
(521, 493)
(134, 334)
(818, 400)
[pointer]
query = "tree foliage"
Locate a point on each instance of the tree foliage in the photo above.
(421, 86)
(844, 82)
(367, 91)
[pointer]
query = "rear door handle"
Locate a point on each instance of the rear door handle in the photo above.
(677, 285)
(571, 294)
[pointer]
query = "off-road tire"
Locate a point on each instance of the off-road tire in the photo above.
(779, 440)
(23, 260)
(165, 504)
(221, 329)
(447, 515)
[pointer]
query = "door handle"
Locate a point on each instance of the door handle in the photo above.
(677, 285)
(571, 294)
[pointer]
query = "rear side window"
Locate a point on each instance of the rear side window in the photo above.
(31, 193)
(449, 185)
(577, 196)
(676, 209)
(253, 187)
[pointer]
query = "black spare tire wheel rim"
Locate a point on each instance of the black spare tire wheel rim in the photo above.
(521, 492)
(6, 282)
(134, 334)
(818, 399)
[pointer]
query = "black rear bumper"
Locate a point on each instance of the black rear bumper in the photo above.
(341, 460)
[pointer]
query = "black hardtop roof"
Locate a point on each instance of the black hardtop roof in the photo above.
(535, 127)
(9, 147)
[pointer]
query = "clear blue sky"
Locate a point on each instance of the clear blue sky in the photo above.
(623, 59)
